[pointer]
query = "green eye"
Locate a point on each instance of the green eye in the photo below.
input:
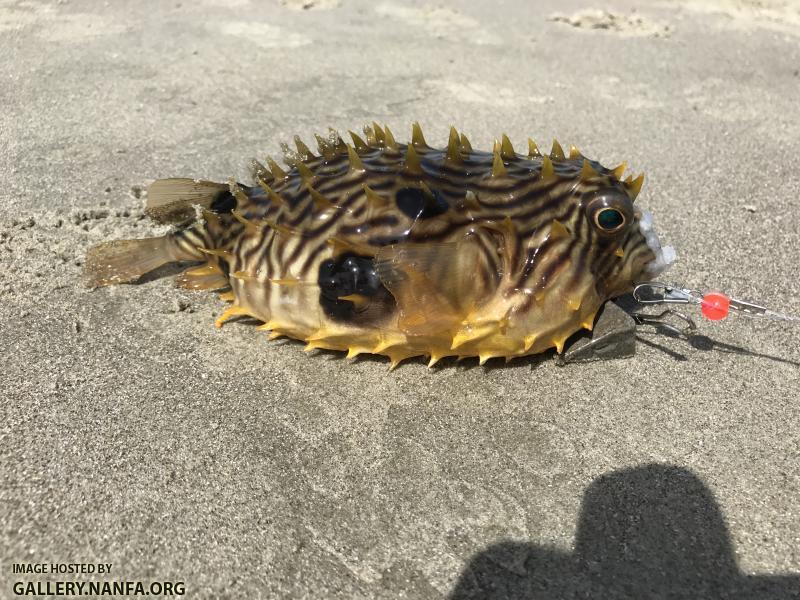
(609, 219)
(609, 211)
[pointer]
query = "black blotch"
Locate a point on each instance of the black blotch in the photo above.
(223, 203)
(417, 203)
(344, 275)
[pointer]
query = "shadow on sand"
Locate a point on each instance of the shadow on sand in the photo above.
(650, 532)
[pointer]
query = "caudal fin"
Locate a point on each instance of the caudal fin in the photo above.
(124, 261)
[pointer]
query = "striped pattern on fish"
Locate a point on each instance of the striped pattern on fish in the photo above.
(405, 249)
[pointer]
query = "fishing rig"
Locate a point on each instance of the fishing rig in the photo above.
(614, 333)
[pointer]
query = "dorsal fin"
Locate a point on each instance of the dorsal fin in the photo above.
(173, 200)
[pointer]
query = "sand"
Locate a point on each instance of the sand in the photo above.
(133, 432)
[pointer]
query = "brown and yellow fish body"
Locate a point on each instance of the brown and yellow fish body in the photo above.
(406, 250)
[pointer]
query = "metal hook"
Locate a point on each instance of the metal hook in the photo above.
(660, 320)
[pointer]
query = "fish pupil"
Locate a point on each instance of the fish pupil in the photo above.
(610, 218)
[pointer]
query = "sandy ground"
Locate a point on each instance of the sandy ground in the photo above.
(132, 432)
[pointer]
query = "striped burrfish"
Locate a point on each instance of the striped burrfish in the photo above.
(404, 249)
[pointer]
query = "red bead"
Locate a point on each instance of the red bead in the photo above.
(715, 306)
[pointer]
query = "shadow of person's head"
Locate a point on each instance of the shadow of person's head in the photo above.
(656, 523)
(653, 531)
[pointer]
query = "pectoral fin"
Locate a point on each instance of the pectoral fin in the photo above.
(433, 284)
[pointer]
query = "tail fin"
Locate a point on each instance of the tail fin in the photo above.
(168, 201)
(124, 261)
(173, 200)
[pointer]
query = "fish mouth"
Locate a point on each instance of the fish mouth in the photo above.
(664, 256)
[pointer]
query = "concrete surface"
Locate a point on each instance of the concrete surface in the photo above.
(132, 432)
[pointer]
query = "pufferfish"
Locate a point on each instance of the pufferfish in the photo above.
(404, 249)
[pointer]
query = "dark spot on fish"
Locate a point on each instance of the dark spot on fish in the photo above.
(226, 268)
(224, 203)
(417, 203)
(345, 275)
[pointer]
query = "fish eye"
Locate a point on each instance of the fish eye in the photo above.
(609, 211)
(609, 219)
